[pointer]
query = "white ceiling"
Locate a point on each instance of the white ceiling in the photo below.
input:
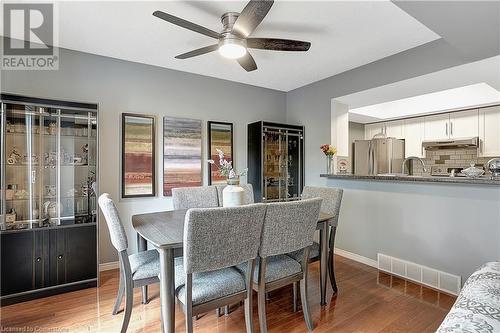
(473, 84)
(344, 35)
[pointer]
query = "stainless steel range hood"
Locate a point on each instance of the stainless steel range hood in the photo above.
(451, 144)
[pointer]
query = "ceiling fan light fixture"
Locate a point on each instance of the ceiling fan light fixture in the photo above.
(232, 48)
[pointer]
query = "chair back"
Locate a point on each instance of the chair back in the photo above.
(195, 197)
(248, 197)
(332, 199)
(115, 227)
(289, 226)
(216, 238)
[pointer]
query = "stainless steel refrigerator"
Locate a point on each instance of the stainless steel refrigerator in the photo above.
(378, 156)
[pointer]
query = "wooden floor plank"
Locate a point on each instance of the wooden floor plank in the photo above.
(368, 301)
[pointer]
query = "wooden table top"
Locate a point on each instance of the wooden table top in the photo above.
(166, 229)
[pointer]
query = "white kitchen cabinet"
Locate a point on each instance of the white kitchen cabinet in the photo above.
(372, 129)
(414, 135)
(437, 127)
(489, 131)
(464, 124)
(394, 129)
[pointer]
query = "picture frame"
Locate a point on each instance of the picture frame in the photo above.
(138, 149)
(219, 135)
(182, 152)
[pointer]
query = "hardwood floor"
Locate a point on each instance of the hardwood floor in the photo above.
(368, 301)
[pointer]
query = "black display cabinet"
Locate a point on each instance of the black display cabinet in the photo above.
(48, 197)
(275, 161)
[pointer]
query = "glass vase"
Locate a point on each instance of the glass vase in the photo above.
(329, 164)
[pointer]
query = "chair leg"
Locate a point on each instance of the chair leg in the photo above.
(217, 312)
(261, 302)
(305, 304)
(189, 322)
(129, 299)
(331, 260)
(189, 303)
(249, 313)
(261, 295)
(226, 310)
(145, 295)
(119, 295)
(295, 297)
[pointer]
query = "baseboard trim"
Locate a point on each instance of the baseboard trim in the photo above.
(107, 266)
(356, 257)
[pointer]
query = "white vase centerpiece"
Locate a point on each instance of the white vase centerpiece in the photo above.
(233, 193)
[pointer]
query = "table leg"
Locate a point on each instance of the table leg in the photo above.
(142, 245)
(324, 260)
(331, 259)
(167, 290)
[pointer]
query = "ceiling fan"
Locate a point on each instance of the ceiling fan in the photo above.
(233, 40)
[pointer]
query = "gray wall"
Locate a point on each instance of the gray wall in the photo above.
(120, 86)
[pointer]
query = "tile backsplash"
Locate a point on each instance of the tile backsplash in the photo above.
(452, 158)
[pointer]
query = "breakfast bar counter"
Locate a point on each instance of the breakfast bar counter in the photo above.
(484, 180)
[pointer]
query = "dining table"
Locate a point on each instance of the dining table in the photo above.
(165, 231)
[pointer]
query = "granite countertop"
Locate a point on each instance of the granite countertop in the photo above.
(426, 179)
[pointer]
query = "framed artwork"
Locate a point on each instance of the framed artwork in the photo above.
(181, 153)
(220, 136)
(138, 156)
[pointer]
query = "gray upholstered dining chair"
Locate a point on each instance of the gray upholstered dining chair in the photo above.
(136, 270)
(248, 197)
(195, 197)
(288, 227)
(332, 199)
(215, 240)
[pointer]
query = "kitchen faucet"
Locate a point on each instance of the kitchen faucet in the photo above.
(412, 158)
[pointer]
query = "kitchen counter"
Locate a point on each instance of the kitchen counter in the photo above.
(424, 179)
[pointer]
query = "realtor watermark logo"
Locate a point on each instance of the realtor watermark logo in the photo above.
(30, 35)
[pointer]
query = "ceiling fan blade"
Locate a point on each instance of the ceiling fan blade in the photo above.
(247, 62)
(186, 24)
(276, 44)
(251, 16)
(198, 52)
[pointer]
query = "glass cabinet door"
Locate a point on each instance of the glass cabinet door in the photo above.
(21, 164)
(49, 159)
(78, 166)
(49, 190)
(294, 172)
(271, 170)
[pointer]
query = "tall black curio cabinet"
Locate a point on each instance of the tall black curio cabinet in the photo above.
(48, 211)
(275, 161)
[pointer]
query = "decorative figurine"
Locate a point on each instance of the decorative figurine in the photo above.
(9, 127)
(85, 154)
(14, 156)
(52, 128)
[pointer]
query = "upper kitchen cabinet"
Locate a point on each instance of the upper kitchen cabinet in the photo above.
(489, 131)
(437, 127)
(453, 125)
(414, 135)
(464, 124)
(393, 129)
(372, 129)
